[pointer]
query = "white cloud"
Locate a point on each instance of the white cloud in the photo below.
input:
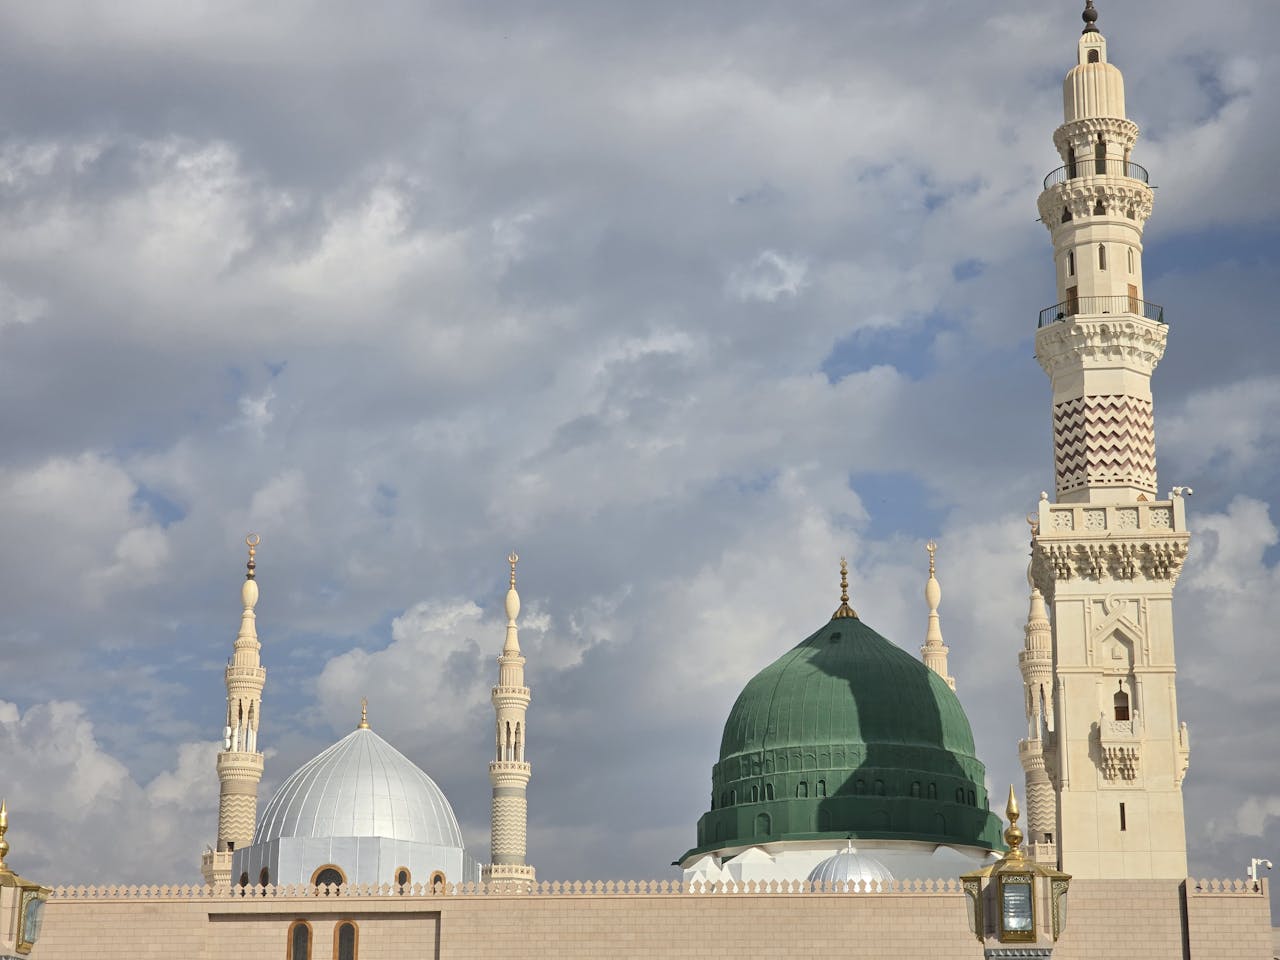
(769, 277)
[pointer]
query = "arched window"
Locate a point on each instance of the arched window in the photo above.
(1121, 701)
(1093, 55)
(822, 788)
(328, 874)
(1071, 263)
(879, 788)
(244, 879)
(768, 791)
(755, 793)
(346, 940)
(1071, 166)
(959, 794)
(733, 797)
(933, 791)
(1131, 259)
(764, 826)
(915, 789)
(972, 800)
(299, 941)
(264, 877)
(802, 789)
(1102, 256)
(437, 881)
(1099, 210)
(859, 786)
(1066, 214)
(403, 878)
(1100, 156)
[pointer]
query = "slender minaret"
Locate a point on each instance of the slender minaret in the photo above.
(509, 772)
(934, 652)
(240, 762)
(1036, 663)
(1107, 553)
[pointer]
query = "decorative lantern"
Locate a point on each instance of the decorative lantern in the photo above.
(1016, 900)
(21, 902)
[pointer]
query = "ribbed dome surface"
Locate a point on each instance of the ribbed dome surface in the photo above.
(847, 736)
(848, 866)
(360, 787)
(846, 684)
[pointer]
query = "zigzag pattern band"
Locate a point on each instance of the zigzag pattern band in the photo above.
(1104, 439)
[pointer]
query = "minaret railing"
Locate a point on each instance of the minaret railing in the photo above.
(1097, 167)
(1095, 306)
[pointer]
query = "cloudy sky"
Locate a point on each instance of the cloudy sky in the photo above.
(681, 301)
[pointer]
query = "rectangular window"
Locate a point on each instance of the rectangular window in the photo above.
(1122, 821)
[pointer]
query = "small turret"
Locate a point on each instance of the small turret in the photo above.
(934, 652)
(240, 763)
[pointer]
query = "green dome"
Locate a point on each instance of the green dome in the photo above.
(847, 735)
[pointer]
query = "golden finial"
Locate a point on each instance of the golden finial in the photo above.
(1013, 836)
(364, 714)
(844, 611)
(252, 541)
(4, 828)
(513, 560)
(932, 548)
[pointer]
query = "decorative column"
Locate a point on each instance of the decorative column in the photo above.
(1107, 553)
(934, 652)
(509, 772)
(240, 763)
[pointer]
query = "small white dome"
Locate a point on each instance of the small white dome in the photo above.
(360, 787)
(849, 865)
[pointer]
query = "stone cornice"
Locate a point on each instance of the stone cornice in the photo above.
(1101, 340)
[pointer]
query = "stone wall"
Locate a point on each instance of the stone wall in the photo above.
(1150, 919)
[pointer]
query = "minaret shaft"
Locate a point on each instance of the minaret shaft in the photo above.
(1098, 663)
(509, 771)
(240, 763)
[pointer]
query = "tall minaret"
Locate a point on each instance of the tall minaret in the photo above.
(1106, 553)
(509, 772)
(1036, 663)
(240, 762)
(934, 652)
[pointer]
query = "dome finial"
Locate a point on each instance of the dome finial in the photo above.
(252, 541)
(513, 559)
(364, 714)
(844, 611)
(1090, 17)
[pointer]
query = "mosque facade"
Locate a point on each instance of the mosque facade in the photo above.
(847, 798)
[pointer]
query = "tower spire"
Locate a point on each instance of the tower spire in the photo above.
(509, 772)
(1098, 663)
(240, 763)
(934, 652)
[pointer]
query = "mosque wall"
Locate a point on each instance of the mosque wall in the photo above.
(1139, 919)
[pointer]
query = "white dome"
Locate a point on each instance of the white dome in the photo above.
(849, 865)
(360, 787)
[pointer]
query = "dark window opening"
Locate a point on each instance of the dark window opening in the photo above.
(802, 789)
(822, 788)
(1100, 156)
(860, 786)
(328, 875)
(345, 945)
(972, 800)
(1071, 263)
(402, 878)
(244, 879)
(915, 788)
(755, 793)
(1121, 702)
(768, 791)
(1093, 56)
(1098, 209)
(1066, 214)
(1123, 825)
(299, 941)
(933, 791)
(264, 877)
(1102, 256)
(879, 788)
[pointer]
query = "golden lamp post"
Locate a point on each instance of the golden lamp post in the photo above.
(1017, 907)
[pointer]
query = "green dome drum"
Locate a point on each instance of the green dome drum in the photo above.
(847, 735)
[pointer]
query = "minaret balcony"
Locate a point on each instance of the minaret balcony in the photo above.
(1099, 306)
(1109, 167)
